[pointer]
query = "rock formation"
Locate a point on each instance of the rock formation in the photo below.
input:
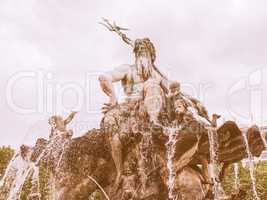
(155, 166)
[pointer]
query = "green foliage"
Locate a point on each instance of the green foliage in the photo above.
(26, 189)
(45, 184)
(245, 181)
(44, 187)
(6, 154)
(96, 196)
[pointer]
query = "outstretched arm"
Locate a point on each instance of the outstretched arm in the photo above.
(106, 82)
(70, 117)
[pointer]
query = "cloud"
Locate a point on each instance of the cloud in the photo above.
(212, 43)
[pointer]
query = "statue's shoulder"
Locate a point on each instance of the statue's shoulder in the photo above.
(124, 67)
(129, 69)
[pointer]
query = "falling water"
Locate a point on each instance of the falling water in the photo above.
(170, 145)
(9, 168)
(251, 167)
(263, 134)
(21, 168)
(52, 184)
(66, 143)
(53, 144)
(236, 176)
(213, 148)
(19, 171)
(213, 166)
(55, 150)
(35, 190)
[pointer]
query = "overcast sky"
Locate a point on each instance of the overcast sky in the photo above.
(53, 50)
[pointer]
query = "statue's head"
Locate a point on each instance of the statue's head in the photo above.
(144, 47)
(144, 50)
(145, 56)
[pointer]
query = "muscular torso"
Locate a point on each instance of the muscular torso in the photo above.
(133, 83)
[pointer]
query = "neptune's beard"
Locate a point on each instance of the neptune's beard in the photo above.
(144, 66)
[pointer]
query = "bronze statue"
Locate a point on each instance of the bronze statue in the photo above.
(141, 81)
(58, 124)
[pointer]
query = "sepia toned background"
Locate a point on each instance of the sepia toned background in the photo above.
(216, 49)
